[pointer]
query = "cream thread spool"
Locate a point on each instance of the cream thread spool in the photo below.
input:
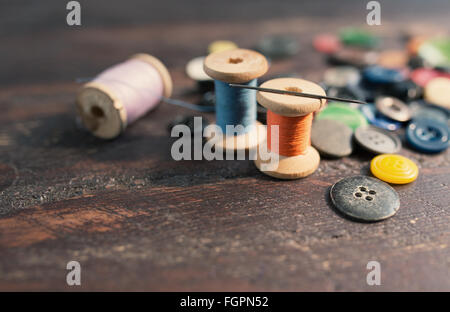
(308, 159)
(237, 66)
(123, 93)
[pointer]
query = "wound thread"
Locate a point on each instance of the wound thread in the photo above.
(235, 106)
(294, 133)
(137, 84)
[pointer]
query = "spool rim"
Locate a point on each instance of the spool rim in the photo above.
(287, 105)
(293, 167)
(242, 142)
(117, 108)
(236, 66)
(161, 68)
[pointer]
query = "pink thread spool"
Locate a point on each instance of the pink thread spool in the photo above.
(123, 93)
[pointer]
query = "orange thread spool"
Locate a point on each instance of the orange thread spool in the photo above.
(294, 133)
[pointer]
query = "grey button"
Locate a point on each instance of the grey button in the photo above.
(364, 198)
(377, 140)
(331, 138)
(341, 76)
(393, 108)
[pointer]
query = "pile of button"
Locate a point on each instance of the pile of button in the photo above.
(404, 89)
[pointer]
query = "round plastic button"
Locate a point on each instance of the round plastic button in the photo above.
(365, 198)
(428, 135)
(326, 43)
(221, 45)
(436, 52)
(378, 120)
(381, 75)
(393, 108)
(378, 141)
(341, 76)
(394, 169)
(358, 37)
(352, 117)
(437, 91)
(331, 138)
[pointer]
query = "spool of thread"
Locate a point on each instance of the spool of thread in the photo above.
(293, 115)
(235, 106)
(122, 94)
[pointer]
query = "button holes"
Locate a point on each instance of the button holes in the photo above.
(362, 188)
(369, 198)
(372, 192)
(358, 194)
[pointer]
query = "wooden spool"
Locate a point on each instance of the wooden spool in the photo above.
(101, 111)
(238, 66)
(299, 166)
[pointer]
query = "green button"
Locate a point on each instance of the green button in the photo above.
(352, 117)
(436, 52)
(358, 37)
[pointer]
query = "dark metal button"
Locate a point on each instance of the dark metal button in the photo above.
(365, 198)
(393, 108)
(378, 141)
(331, 138)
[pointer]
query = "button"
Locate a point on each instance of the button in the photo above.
(405, 90)
(341, 76)
(331, 138)
(380, 75)
(378, 120)
(358, 37)
(422, 109)
(437, 91)
(347, 92)
(353, 57)
(394, 169)
(365, 198)
(393, 108)
(350, 116)
(436, 52)
(395, 59)
(221, 45)
(427, 135)
(376, 140)
(421, 76)
(278, 46)
(326, 43)
(194, 69)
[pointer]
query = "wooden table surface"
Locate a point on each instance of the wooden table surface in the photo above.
(137, 220)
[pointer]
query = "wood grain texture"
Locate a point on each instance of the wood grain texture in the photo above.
(137, 220)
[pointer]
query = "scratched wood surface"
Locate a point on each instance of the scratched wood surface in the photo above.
(137, 220)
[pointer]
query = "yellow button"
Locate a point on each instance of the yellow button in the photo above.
(394, 169)
(221, 45)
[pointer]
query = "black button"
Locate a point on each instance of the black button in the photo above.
(365, 198)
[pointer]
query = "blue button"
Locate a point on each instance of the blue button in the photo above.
(427, 135)
(381, 75)
(378, 120)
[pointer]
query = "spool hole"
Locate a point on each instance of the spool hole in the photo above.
(293, 89)
(97, 112)
(235, 60)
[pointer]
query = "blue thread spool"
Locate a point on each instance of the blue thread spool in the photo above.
(234, 106)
